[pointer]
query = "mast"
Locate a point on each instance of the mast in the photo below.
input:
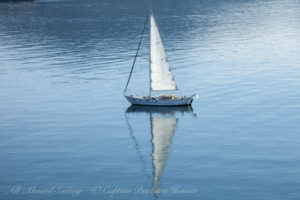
(150, 90)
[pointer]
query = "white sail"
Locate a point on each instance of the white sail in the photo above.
(160, 75)
(162, 133)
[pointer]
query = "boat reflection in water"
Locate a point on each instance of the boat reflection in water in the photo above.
(163, 123)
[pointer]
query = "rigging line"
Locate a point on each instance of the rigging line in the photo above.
(137, 51)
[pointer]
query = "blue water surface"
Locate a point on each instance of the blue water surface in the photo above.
(67, 132)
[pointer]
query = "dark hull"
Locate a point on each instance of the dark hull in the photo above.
(159, 109)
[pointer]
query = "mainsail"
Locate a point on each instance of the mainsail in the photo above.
(160, 74)
(162, 132)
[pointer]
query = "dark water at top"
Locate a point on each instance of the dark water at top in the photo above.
(65, 125)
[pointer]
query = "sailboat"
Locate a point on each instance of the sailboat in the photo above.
(161, 78)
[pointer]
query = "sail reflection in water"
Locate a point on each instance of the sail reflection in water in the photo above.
(163, 123)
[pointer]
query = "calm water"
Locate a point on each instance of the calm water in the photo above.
(66, 131)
